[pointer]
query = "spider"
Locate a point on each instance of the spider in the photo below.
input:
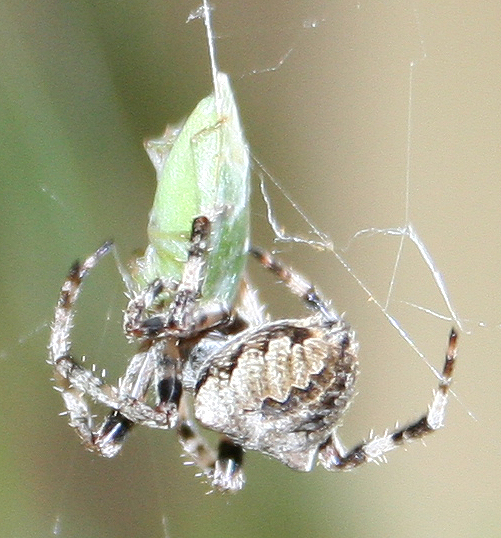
(278, 387)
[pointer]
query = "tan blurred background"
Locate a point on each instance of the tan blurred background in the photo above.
(83, 83)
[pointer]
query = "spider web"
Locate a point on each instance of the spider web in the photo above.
(356, 111)
(401, 233)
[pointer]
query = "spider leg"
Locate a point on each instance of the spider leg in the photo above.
(72, 380)
(77, 384)
(333, 456)
(131, 409)
(137, 323)
(185, 316)
(60, 341)
(296, 283)
(224, 470)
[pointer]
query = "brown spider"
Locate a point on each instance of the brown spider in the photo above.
(279, 387)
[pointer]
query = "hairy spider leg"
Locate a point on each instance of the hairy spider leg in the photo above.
(222, 469)
(296, 283)
(185, 317)
(75, 382)
(334, 456)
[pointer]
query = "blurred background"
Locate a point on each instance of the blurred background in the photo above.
(371, 97)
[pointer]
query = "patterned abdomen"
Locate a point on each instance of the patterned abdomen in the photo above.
(280, 388)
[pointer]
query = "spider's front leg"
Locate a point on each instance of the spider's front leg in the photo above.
(78, 385)
(72, 380)
(184, 316)
(333, 456)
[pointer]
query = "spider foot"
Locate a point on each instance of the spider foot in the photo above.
(108, 441)
(228, 474)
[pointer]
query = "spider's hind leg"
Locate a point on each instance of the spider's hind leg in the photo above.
(224, 469)
(333, 456)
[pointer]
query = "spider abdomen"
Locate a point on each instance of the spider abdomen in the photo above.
(280, 388)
